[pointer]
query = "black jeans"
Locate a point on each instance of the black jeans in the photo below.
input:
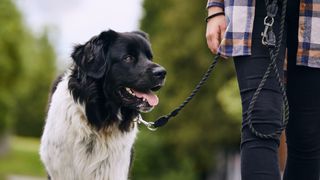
(259, 157)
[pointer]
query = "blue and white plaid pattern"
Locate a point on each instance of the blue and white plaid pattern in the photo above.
(218, 3)
(238, 36)
(309, 33)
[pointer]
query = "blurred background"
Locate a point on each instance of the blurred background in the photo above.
(36, 39)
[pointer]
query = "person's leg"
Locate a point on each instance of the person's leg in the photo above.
(259, 157)
(303, 130)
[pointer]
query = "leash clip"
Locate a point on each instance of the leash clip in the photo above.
(149, 125)
(268, 36)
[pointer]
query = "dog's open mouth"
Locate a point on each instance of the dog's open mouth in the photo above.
(143, 100)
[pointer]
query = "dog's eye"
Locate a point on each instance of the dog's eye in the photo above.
(128, 59)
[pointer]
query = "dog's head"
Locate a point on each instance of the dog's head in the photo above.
(120, 67)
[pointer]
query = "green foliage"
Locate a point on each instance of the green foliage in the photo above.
(23, 158)
(152, 160)
(211, 121)
(10, 60)
(39, 65)
(228, 97)
(27, 68)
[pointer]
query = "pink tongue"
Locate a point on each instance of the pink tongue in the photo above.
(152, 99)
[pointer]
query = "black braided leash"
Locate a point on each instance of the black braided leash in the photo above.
(274, 52)
(274, 48)
(164, 119)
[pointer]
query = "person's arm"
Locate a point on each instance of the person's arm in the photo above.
(216, 26)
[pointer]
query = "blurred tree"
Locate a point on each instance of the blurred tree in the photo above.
(26, 70)
(32, 96)
(10, 65)
(186, 147)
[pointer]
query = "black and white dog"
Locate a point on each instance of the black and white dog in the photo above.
(90, 127)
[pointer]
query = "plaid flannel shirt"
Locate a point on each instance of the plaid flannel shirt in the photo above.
(240, 16)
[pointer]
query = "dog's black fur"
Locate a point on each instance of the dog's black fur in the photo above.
(104, 66)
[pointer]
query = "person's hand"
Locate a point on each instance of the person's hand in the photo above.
(216, 28)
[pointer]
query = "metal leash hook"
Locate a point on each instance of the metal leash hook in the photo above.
(268, 36)
(149, 125)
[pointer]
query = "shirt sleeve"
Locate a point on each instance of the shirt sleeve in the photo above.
(216, 3)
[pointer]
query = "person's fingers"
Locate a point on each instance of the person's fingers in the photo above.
(215, 32)
(212, 43)
(222, 32)
(215, 43)
(212, 36)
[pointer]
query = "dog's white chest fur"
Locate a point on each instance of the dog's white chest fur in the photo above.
(72, 150)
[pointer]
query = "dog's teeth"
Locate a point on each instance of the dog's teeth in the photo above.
(144, 99)
(130, 91)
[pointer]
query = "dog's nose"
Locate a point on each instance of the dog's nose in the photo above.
(159, 72)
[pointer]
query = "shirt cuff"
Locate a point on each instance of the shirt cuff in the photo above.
(215, 3)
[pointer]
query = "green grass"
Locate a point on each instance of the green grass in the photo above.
(23, 158)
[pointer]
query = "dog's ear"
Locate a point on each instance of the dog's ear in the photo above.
(143, 34)
(91, 57)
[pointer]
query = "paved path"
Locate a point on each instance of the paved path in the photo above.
(15, 177)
